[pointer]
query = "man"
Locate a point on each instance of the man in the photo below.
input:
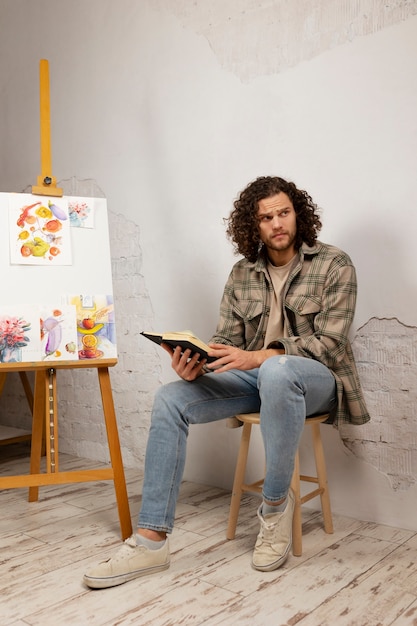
(281, 348)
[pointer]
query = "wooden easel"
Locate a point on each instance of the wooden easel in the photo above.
(18, 435)
(45, 415)
(46, 182)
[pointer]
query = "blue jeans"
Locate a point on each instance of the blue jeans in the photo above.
(285, 389)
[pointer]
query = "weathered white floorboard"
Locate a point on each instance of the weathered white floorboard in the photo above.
(362, 575)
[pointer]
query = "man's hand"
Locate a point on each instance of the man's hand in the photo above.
(229, 357)
(186, 366)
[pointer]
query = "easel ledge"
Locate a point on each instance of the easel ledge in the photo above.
(27, 366)
(45, 418)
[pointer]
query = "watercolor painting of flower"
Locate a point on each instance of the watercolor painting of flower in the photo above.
(81, 213)
(13, 336)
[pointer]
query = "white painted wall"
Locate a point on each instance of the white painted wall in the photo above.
(171, 107)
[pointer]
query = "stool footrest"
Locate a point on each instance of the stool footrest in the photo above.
(310, 495)
(309, 479)
(255, 487)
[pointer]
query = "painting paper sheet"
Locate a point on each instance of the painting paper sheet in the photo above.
(95, 326)
(81, 212)
(39, 230)
(19, 334)
(58, 329)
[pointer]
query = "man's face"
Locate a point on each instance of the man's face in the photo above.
(278, 227)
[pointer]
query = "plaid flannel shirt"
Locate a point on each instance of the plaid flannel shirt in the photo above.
(318, 306)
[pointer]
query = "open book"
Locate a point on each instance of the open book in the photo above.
(186, 339)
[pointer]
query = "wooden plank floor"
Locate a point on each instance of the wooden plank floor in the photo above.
(363, 574)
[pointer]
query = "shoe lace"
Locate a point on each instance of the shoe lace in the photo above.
(126, 549)
(130, 541)
(268, 529)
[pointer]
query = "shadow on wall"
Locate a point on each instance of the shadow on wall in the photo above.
(386, 355)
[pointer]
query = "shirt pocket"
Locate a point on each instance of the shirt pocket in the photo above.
(302, 304)
(250, 314)
(301, 312)
(248, 310)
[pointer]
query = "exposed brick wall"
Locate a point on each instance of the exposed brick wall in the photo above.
(386, 353)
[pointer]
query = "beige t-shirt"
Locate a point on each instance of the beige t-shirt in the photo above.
(278, 275)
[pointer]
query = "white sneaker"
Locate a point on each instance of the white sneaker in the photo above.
(275, 537)
(131, 561)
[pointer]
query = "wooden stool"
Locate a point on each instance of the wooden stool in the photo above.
(239, 486)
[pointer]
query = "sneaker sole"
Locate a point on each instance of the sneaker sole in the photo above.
(113, 581)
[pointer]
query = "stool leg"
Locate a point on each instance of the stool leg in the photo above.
(297, 532)
(238, 480)
(322, 478)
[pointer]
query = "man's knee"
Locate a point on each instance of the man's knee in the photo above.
(277, 370)
(165, 396)
(161, 393)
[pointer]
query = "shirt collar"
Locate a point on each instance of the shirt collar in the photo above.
(260, 264)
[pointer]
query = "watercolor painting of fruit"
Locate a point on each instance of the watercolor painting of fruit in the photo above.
(58, 331)
(95, 326)
(39, 229)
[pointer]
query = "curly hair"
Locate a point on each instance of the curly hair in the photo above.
(242, 224)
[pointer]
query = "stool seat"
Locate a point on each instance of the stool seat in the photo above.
(239, 486)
